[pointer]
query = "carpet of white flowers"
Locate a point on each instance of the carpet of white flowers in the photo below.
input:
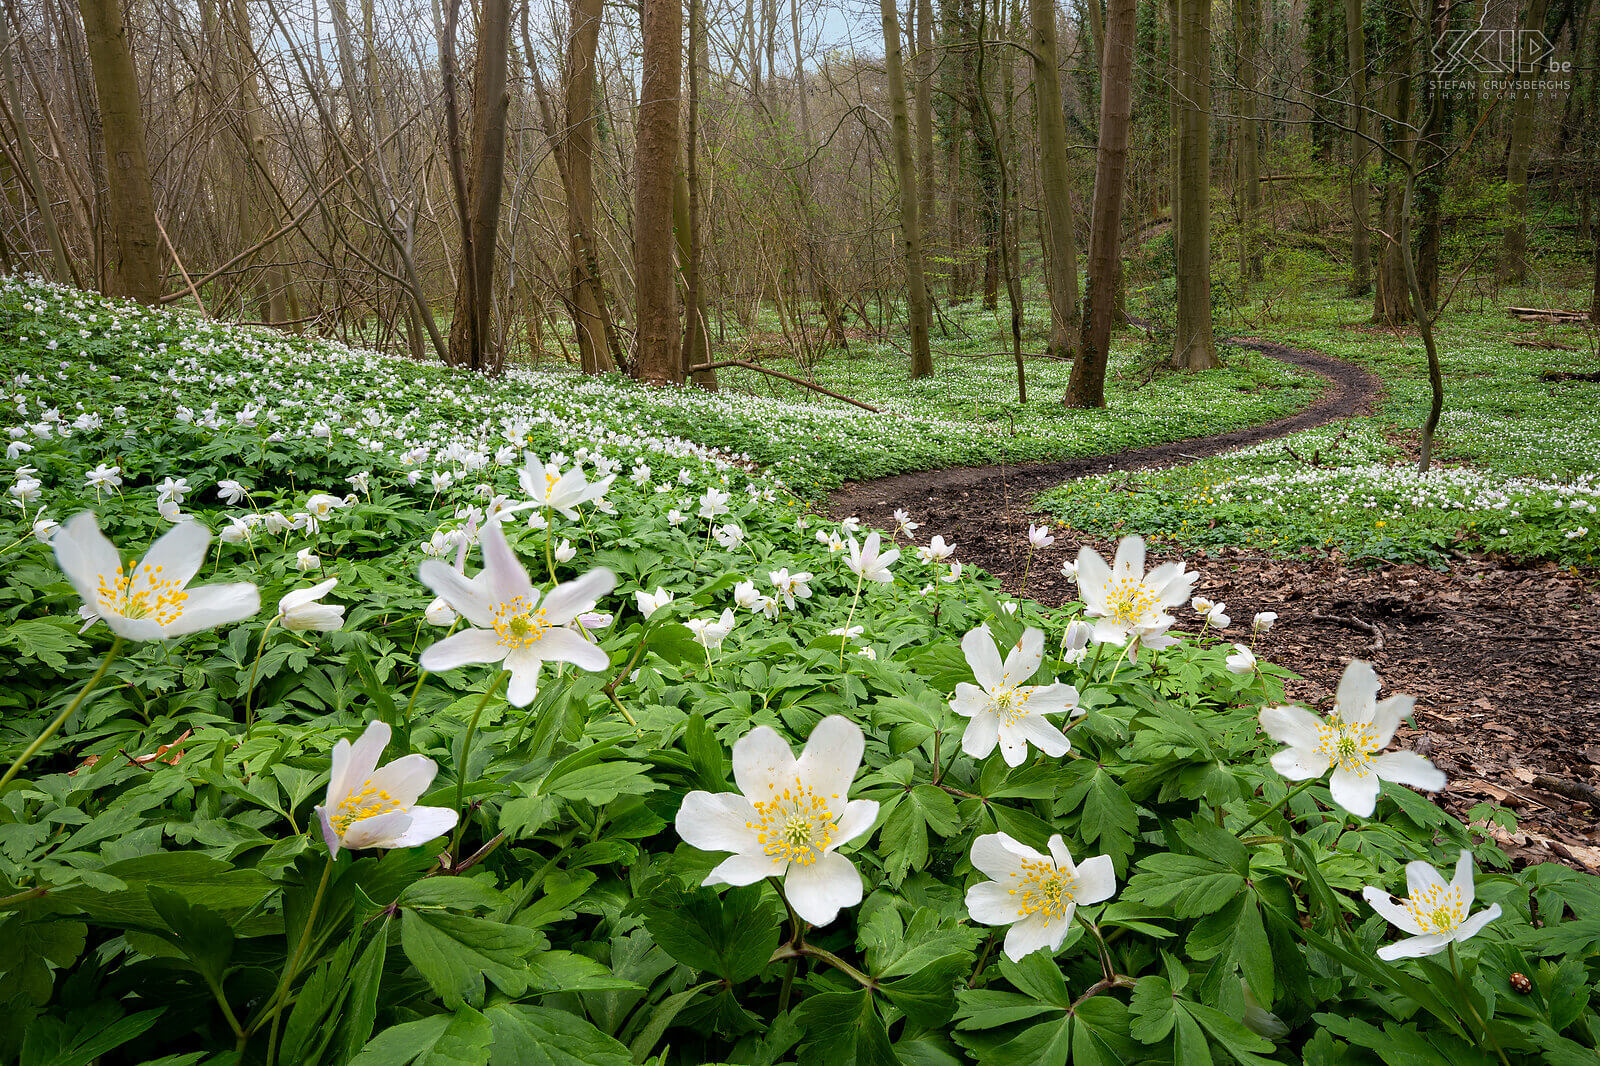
(352, 710)
(1517, 471)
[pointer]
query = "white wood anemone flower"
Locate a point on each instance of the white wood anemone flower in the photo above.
(151, 600)
(548, 487)
(301, 610)
(1004, 711)
(368, 806)
(1349, 741)
(1130, 606)
(1435, 913)
(788, 817)
(1035, 894)
(869, 562)
(510, 621)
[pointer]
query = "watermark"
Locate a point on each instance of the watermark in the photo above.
(1492, 64)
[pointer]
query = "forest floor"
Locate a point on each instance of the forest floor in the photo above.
(1503, 658)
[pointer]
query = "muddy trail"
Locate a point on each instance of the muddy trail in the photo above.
(1504, 659)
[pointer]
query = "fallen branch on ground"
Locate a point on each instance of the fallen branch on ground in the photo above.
(748, 365)
(1354, 623)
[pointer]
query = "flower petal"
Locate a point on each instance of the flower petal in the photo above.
(1097, 879)
(1044, 736)
(1388, 715)
(857, 818)
(361, 760)
(1129, 560)
(1013, 745)
(1415, 947)
(523, 687)
(1474, 925)
(1294, 726)
(406, 779)
(999, 856)
(469, 598)
(982, 733)
(571, 598)
(1093, 577)
(983, 658)
(744, 868)
(1357, 698)
(563, 645)
(1022, 662)
(1035, 933)
(818, 890)
(1356, 793)
(85, 555)
(762, 762)
(460, 649)
(211, 606)
(427, 823)
(505, 576)
(1409, 768)
(379, 831)
(717, 821)
(1391, 910)
(1297, 764)
(831, 757)
(177, 554)
(1462, 881)
(991, 903)
(1421, 879)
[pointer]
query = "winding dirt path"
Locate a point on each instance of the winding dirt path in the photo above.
(1504, 659)
(1351, 391)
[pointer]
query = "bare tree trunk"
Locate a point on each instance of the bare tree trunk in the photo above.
(696, 340)
(578, 149)
(755, 47)
(1513, 267)
(924, 94)
(906, 178)
(472, 340)
(659, 355)
(137, 263)
(1594, 298)
(1360, 242)
(1055, 178)
(1391, 303)
(30, 160)
(800, 76)
(258, 216)
(1193, 347)
(1087, 387)
(1247, 183)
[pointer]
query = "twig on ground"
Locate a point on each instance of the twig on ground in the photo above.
(1353, 622)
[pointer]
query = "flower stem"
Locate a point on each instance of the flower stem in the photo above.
(280, 997)
(549, 550)
(845, 637)
(250, 689)
(1280, 805)
(1466, 999)
(794, 951)
(50, 730)
(466, 757)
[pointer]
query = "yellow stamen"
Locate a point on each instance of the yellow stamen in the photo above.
(1131, 601)
(362, 802)
(1437, 909)
(143, 593)
(517, 626)
(1044, 888)
(794, 825)
(1348, 745)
